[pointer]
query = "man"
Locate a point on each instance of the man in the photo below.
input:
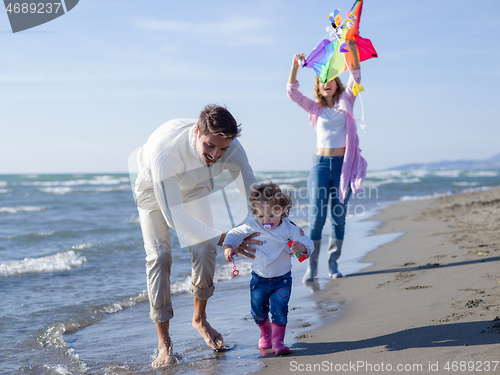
(176, 169)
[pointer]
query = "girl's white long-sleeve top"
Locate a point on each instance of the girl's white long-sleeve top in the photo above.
(170, 161)
(272, 258)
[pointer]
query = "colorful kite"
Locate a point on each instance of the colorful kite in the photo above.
(332, 56)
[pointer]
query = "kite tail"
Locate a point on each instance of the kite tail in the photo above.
(361, 121)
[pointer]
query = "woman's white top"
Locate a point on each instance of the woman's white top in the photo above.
(331, 128)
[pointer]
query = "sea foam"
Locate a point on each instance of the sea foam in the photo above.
(407, 198)
(51, 263)
(15, 210)
(56, 190)
(97, 180)
(482, 174)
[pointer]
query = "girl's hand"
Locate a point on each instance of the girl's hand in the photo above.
(228, 253)
(297, 247)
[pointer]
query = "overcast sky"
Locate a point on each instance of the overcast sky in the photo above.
(81, 93)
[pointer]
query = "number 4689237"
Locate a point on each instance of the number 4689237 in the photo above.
(33, 8)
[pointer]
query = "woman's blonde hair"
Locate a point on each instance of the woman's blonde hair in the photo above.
(321, 99)
(271, 194)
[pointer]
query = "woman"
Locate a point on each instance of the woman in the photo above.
(338, 168)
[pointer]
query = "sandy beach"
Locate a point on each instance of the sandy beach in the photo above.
(429, 304)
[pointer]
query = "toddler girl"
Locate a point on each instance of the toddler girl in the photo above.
(271, 282)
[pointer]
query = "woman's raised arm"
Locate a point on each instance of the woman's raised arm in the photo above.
(354, 51)
(293, 72)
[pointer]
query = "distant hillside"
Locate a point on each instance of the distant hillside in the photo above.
(492, 163)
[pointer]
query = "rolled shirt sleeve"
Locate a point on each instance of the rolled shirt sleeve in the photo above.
(236, 235)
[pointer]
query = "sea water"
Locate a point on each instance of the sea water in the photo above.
(72, 278)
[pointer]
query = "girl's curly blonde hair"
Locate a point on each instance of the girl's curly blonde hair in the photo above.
(271, 194)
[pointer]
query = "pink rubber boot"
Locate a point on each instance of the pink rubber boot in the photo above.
(278, 336)
(265, 335)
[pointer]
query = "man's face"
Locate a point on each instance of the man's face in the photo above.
(210, 147)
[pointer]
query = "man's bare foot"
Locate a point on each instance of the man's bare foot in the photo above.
(165, 357)
(213, 338)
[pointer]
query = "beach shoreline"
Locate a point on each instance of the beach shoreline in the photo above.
(429, 303)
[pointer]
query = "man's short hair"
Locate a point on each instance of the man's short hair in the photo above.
(218, 120)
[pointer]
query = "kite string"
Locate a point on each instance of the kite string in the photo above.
(235, 271)
(362, 122)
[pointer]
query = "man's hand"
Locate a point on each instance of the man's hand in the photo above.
(245, 247)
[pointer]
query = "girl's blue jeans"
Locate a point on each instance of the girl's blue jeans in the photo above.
(324, 182)
(270, 295)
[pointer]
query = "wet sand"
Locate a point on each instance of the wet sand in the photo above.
(126, 341)
(429, 304)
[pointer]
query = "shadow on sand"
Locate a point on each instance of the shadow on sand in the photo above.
(427, 266)
(444, 335)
